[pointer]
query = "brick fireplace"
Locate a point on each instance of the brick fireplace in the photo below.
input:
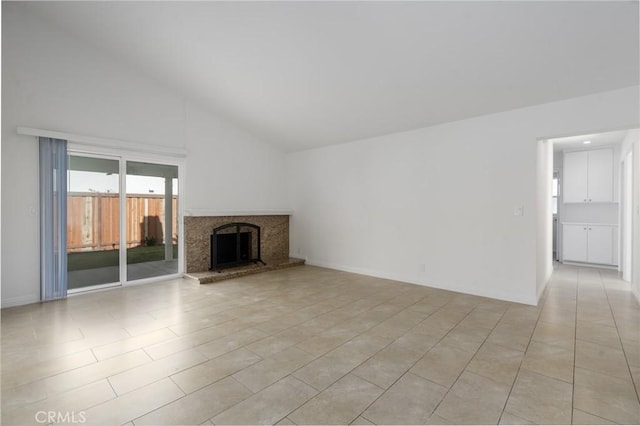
(274, 245)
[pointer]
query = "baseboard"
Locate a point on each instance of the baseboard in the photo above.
(539, 295)
(591, 265)
(299, 256)
(541, 290)
(18, 301)
(361, 271)
(409, 280)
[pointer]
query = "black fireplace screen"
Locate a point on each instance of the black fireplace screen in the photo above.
(235, 244)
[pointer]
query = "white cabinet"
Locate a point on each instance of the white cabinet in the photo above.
(600, 175)
(574, 243)
(600, 244)
(588, 176)
(575, 171)
(589, 243)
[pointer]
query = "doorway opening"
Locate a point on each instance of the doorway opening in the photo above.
(555, 208)
(626, 182)
(592, 200)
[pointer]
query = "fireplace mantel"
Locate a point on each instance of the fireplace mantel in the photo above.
(208, 212)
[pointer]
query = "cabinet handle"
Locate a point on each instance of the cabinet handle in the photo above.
(585, 200)
(589, 229)
(584, 229)
(589, 199)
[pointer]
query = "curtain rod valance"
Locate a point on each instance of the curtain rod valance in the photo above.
(91, 141)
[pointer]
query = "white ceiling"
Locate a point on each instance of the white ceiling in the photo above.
(305, 74)
(596, 140)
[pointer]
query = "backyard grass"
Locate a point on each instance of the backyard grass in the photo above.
(78, 261)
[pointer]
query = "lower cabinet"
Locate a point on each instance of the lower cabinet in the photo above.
(589, 243)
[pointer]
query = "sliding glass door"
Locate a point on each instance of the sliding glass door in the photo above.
(152, 220)
(93, 221)
(122, 221)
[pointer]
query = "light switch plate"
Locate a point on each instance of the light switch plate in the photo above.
(518, 211)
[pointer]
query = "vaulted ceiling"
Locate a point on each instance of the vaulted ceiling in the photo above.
(306, 74)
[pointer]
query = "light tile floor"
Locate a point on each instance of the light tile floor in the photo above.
(314, 346)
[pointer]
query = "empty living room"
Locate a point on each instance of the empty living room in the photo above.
(320, 212)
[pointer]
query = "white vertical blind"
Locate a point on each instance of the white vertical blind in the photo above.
(53, 218)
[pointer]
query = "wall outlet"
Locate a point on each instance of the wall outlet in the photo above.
(518, 211)
(423, 267)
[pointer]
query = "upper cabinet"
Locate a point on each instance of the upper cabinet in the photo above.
(588, 176)
(575, 177)
(600, 175)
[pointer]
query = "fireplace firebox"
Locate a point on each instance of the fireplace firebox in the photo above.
(235, 244)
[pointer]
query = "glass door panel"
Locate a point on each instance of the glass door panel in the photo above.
(93, 221)
(152, 222)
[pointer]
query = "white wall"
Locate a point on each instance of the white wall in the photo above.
(441, 196)
(558, 167)
(636, 220)
(51, 81)
(594, 213)
(632, 144)
(544, 242)
(626, 218)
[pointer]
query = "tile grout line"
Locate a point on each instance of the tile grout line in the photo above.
(624, 352)
(261, 310)
(418, 360)
(469, 362)
(248, 326)
(184, 395)
(344, 375)
(293, 372)
(331, 350)
(49, 376)
(442, 338)
(582, 298)
(261, 390)
(389, 344)
(216, 381)
(524, 354)
(333, 326)
(530, 339)
(575, 343)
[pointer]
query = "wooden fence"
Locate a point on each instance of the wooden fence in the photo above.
(93, 221)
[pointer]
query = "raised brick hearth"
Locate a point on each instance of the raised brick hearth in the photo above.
(274, 245)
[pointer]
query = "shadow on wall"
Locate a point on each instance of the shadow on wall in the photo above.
(151, 231)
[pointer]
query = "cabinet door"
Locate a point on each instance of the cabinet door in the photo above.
(600, 175)
(574, 243)
(575, 177)
(600, 244)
